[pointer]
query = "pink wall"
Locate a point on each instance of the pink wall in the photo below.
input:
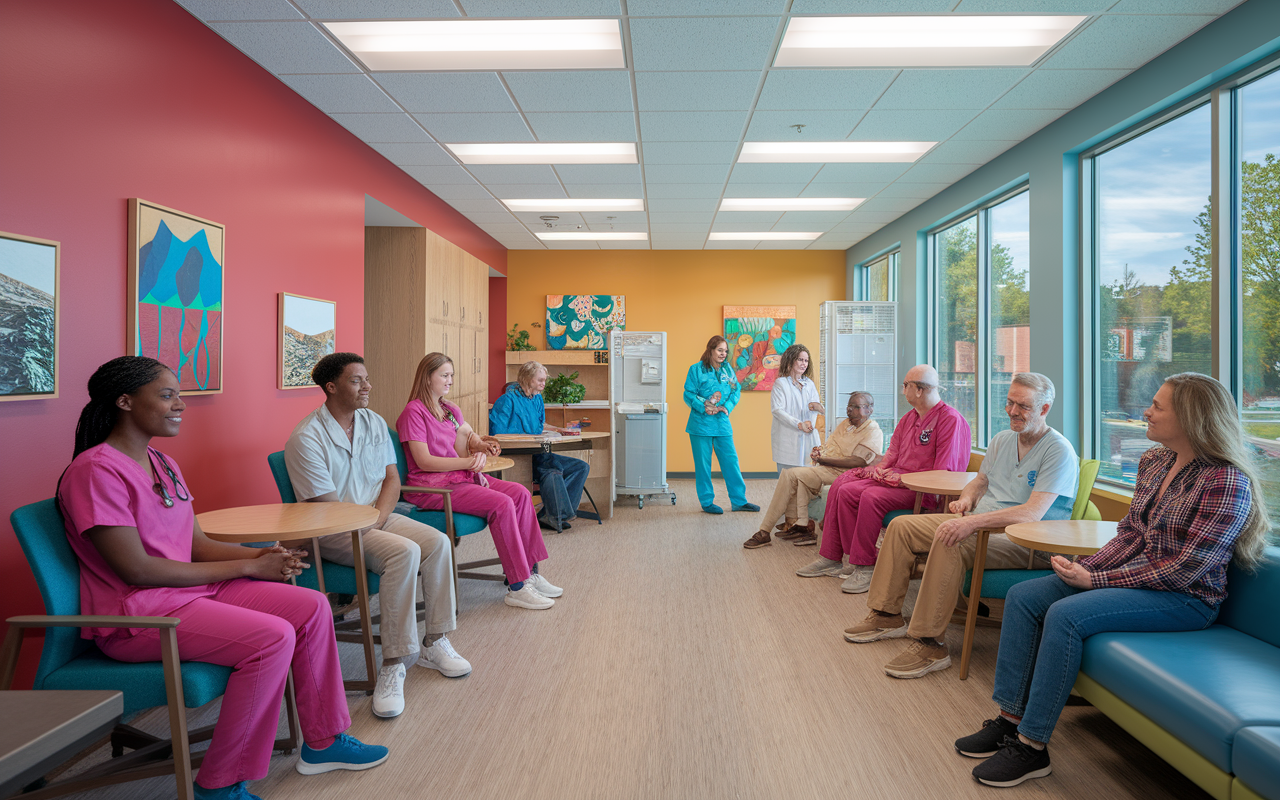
(136, 98)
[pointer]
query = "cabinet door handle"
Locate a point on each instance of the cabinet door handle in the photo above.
(481, 313)
(464, 313)
(446, 307)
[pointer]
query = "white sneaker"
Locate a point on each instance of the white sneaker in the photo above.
(441, 656)
(388, 695)
(859, 580)
(846, 571)
(823, 566)
(528, 597)
(543, 586)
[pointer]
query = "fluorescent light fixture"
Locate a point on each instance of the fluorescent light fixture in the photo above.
(765, 236)
(790, 203)
(484, 44)
(574, 204)
(593, 236)
(909, 41)
(831, 152)
(546, 153)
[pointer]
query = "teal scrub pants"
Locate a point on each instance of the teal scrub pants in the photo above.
(728, 458)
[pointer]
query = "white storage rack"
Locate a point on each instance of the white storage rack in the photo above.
(857, 351)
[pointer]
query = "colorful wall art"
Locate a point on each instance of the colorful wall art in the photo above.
(175, 290)
(28, 317)
(583, 321)
(306, 335)
(757, 336)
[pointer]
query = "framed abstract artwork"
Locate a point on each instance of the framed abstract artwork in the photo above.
(175, 293)
(757, 337)
(583, 321)
(307, 328)
(28, 317)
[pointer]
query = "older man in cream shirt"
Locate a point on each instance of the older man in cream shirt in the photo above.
(855, 442)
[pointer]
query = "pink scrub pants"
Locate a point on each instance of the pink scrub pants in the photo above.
(855, 513)
(261, 629)
(508, 509)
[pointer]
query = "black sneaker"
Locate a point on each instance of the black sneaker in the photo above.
(986, 742)
(1015, 763)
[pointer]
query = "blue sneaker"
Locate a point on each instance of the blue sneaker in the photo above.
(346, 752)
(236, 791)
(713, 509)
(747, 507)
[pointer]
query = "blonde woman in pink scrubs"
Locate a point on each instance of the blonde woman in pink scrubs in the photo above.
(129, 520)
(441, 449)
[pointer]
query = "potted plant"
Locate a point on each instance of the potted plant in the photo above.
(518, 340)
(564, 390)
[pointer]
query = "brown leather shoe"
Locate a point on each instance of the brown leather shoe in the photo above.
(797, 530)
(805, 539)
(760, 539)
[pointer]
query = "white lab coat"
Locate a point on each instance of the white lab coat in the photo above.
(790, 406)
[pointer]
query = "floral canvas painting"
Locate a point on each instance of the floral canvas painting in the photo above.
(757, 337)
(583, 321)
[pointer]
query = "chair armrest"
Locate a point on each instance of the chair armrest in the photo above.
(425, 490)
(91, 621)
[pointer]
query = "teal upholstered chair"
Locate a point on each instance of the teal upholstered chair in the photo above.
(70, 662)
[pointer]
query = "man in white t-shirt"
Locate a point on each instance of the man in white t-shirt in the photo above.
(343, 452)
(1030, 473)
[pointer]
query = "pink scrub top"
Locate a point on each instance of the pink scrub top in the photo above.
(417, 424)
(938, 440)
(105, 487)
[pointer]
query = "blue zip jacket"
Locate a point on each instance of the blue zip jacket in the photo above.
(699, 385)
(513, 412)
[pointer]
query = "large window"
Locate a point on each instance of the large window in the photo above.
(983, 323)
(877, 280)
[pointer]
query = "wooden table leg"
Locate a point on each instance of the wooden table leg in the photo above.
(366, 626)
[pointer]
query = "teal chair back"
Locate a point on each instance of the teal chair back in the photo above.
(71, 662)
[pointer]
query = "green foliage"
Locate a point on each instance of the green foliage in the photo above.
(564, 389)
(518, 340)
(958, 264)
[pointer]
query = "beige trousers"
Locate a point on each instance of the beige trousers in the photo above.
(912, 535)
(796, 487)
(405, 554)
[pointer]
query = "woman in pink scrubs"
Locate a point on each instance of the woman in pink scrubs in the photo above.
(441, 449)
(129, 520)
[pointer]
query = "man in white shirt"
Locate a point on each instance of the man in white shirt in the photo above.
(342, 452)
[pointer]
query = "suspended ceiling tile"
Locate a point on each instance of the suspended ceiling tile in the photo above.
(775, 126)
(425, 153)
(542, 8)
(341, 93)
(663, 220)
(872, 6)
(504, 191)
(937, 173)
(514, 173)
(910, 126)
(492, 218)
(569, 90)
(676, 8)
(742, 189)
(605, 126)
(684, 126)
(702, 43)
(719, 245)
(517, 241)
(283, 47)
(1033, 6)
(948, 88)
(894, 205)
(857, 174)
(832, 245)
(810, 220)
(1117, 41)
(966, 152)
(863, 189)
(801, 245)
(1008, 124)
(624, 245)
(851, 230)
(745, 220)
(1059, 88)
(533, 219)
(440, 176)
(692, 227)
(571, 245)
(689, 152)
(619, 217)
(621, 227)
(878, 218)
(684, 190)
(444, 92)
(692, 173)
(211, 10)
(696, 91)
(376, 9)
(599, 173)
(831, 89)
(774, 173)
(669, 205)
(505, 229)
(472, 191)
(382, 127)
(470, 205)
(604, 190)
(1174, 6)
(476, 127)
(920, 191)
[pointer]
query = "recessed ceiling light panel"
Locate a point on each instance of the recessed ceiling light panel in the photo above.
(546, 153)
(574, 204)
(764, 236)
(831, 152)
(593, 236)
(952, 40)
(482, 44)
(790, 203)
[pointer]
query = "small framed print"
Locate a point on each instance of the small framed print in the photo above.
(28, 317)
(307, 326)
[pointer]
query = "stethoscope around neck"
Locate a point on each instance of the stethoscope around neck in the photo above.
(179, 490)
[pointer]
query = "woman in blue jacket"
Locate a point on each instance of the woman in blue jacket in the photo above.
(560, 478)
(711, 391)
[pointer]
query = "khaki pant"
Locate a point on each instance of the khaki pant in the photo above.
(796, 487)
(404, 554)
(912, 535)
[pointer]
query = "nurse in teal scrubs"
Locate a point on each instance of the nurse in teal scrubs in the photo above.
(711, 391)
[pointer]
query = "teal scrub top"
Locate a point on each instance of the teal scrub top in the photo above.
(700, 384)
(514, 412)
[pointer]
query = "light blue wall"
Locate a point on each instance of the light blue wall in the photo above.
(1049, 161)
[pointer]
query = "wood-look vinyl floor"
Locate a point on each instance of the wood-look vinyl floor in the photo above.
(679, 665)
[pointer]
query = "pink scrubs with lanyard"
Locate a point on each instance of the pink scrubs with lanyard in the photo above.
(261, 628)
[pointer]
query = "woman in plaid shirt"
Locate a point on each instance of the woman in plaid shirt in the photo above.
(1193, 511)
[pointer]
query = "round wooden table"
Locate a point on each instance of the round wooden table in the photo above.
(947, 485)
(1075, 537)
(498, 464)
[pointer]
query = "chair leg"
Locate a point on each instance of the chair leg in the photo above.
(975, 592)
(177, 714)
(9, 657)
(362, 597)
(595, 513)
(294, 741)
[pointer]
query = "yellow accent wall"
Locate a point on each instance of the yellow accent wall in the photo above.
(682, 292)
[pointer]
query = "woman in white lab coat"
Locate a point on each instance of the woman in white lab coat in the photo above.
(795, 409)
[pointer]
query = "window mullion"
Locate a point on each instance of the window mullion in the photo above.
(1222, 274)
(982, 359)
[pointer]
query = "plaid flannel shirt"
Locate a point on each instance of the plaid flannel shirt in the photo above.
(1183, 543)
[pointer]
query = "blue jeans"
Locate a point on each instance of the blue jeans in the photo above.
(560, 480)
(728, 458)
(1042, 635)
